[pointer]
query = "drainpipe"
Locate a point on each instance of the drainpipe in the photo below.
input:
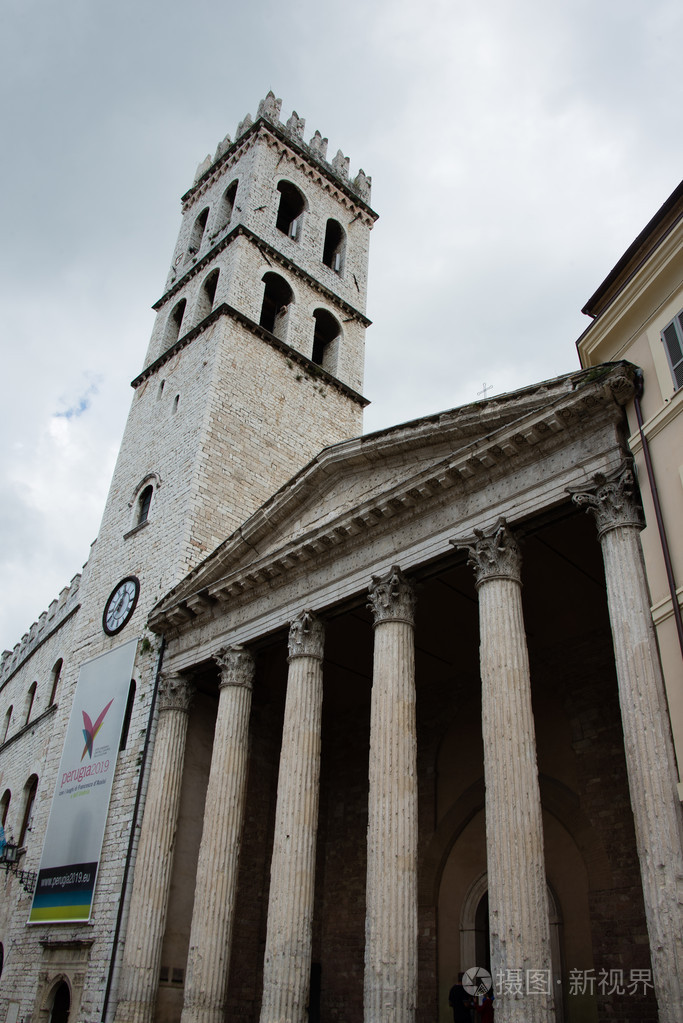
(136, 808)
(658, 510)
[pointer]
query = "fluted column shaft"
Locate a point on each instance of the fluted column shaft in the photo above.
(647, 739)
(215, 887)
(390, 989)
(151, 883)
(287, 961)
(518, 899)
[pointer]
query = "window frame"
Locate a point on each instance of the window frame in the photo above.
(675, 366)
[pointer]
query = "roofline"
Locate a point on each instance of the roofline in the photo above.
(299, 147)
(650, 234)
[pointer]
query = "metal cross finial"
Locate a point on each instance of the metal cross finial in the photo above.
(485, 388)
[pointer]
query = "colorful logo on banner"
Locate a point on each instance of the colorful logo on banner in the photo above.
(65, 887)
(90, 730)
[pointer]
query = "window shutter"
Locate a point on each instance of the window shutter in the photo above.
(672, 336)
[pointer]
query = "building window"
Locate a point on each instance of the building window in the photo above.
(125, 727)
(672, 336)
(277, 298)
(198, 233)
(144, 501)
(290, 212)
(207, 295)
(228, 205)
(4, 806)
(56, 672)
(174, 323)
(30, 790)
(327, 331)
(30, 698)
(335, 244)
(8, 718)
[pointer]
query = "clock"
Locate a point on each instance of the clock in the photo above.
(120, 605)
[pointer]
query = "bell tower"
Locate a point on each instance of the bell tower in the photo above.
(256, 357)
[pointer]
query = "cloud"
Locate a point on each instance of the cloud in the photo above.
(516, 150)
(82, 404)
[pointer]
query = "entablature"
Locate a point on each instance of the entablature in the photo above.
(516, 471)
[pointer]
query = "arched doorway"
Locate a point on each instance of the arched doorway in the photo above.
(61, 1004)
(475, 944)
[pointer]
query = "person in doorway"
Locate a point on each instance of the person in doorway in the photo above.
(460, 1002)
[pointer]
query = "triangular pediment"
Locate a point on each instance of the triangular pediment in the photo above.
(386, 474)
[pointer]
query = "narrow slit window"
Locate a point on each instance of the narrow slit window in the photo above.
(30, 790)
(4, 806)
(144, 502)
(30, 700)
(56, 672)
(125, 727)
(8, 719)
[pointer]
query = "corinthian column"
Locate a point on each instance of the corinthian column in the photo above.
(214, 897)
(391, 893)
(149, 900)
(287, 961)
(518, 900)
(647, 738)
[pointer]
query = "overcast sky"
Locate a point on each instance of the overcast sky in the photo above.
(516, 148)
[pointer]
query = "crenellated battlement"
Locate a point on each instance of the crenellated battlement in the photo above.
(293, 129)
(60, 609)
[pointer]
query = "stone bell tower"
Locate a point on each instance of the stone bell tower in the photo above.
(256, 357)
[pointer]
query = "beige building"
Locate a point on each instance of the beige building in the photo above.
(637, 314)
(397, 708)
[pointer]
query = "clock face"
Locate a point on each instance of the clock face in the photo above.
(120, 605)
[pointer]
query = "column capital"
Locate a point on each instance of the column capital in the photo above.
(236, 667)
(306, 636)
(493, 556)
(392, 598)
(175, 692)
(613, 500)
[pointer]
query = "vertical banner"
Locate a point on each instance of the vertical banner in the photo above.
(75, 829)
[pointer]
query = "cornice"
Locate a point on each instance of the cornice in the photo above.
(479, 463)
(312, 369)
(43, 639)
(270, 253)
(260, 129)
(631, 293)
